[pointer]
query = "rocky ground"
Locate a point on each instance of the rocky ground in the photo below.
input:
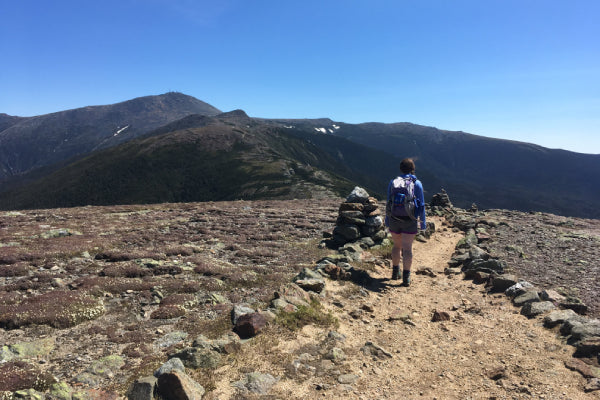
(93, 298)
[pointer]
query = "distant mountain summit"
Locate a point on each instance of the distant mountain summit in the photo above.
(28, 143)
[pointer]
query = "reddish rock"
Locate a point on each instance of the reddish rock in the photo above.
(250, 325)
(584, 369)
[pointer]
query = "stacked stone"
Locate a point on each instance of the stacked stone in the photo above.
(440, 204)
(359, 220)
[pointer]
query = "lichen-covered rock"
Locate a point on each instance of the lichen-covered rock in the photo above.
(256, 382)
(194, 357)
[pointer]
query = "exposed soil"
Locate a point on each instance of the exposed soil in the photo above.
(243, 251)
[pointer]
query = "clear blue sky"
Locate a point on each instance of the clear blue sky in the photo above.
(525, 70)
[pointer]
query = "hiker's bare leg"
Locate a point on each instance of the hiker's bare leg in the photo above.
(406, 242)
(397, 248)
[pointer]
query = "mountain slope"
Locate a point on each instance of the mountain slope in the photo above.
(226, 157)
(494, 173)
(28, 143)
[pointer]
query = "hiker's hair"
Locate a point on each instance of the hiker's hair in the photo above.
(407, 166)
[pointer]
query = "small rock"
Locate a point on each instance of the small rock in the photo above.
(592, 385)
(373, 349)
(339, 337)
(336, 355)
(347, 379)
(256, 383)
(518, 289)
(426, 271)
(440, 316)
(497, 373)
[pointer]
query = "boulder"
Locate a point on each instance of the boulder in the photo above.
(293, 294)
(477, 253)
(250, 325)
(530, 296)
(489, 266)
(177, 385)
(143, 389)
(558, 317)
(531, 310)
(552, 295)
(311, 285)
(239, 310)
(173, 364)
(195, 357)
(502, 282)
(346, 232)
(589, 347)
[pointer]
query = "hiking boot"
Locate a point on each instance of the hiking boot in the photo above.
(395, 273)
(406, 278)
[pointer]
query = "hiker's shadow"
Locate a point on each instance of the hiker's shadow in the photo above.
(378, 285)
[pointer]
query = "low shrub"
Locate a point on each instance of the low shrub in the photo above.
(125, 271)
(179, 251)
(19, 375)
(16, 269)
(168, 312)
(59, 309)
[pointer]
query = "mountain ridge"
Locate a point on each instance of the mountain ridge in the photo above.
(493, 173)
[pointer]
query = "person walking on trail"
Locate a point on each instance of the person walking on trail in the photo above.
(405, 213)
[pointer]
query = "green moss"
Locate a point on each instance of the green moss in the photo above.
(305, 315)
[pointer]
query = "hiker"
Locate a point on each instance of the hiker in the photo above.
(405, 209)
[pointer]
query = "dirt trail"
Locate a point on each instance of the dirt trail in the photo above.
(487, 350)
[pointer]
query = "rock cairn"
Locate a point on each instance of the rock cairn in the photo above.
(440, 204)
(359, 221)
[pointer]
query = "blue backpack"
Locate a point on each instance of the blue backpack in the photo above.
(402, 198)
